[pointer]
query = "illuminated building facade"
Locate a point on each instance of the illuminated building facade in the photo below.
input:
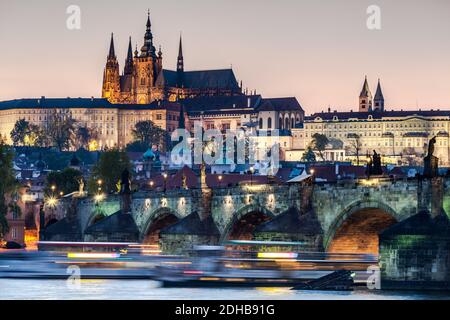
(144, 80)
(396, 134)
(114, 123)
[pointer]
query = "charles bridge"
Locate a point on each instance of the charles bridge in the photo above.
(346, 216)
(403, 222)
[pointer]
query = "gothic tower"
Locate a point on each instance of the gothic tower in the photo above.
(365, 98)
(378, 100)
(146, 68)
(111, 77)
(128, 70)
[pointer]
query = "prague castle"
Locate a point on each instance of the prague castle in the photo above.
(144, 79)
(146, 91)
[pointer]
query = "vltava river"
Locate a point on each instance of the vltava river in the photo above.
(150, 290)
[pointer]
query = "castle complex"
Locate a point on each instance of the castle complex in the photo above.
(144, 80)
(147, 91)
(397, 134)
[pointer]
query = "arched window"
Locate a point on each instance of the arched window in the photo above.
(280, 124)
(260, 123)
(269, 123)
(292, 123)
(286, 125)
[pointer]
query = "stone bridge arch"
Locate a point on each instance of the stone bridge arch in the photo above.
(157, 220)
(254, 212)
(356, 229)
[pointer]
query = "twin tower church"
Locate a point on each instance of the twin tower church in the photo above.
(144, 79)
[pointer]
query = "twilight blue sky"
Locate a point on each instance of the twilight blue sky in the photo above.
(318, 51)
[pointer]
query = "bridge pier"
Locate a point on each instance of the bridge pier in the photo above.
(415, 253)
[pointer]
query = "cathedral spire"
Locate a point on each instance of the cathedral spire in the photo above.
(149, 24)
(378, 100)
(180, 65)
(129, 61)
(365, 98)
(180, 60)
(112, 53)
(148, 49)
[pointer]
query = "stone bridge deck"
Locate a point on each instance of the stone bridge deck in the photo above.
(333, 204)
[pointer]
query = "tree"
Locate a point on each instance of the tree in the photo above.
(149, 133)
(84, 136)
(66, 181)
(36, 137)
(8, 184)
(355, 145)
(309, 155)
(319, 143)
(20, 131)
(60, 129)
(109, 169)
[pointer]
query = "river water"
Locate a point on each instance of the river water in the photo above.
(150, 290)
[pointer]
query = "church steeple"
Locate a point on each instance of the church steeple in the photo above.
(129, 61)
(365, 98)
(148, 49)
(112, 52)
(378, 100)
(111, 78)
(180, 65)
(180, 60)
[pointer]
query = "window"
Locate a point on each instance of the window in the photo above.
(269, 123)
(260, 123)
(14, 233)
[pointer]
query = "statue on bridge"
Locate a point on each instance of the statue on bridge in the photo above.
(376, 161)
(81, 192)
(125, 182)
(125, 191)
(431, 163)
(374, 165)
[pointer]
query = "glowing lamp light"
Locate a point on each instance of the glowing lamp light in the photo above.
(87, 255)
(277, 255)
(193, 272)
(52, 202)
(99, 197)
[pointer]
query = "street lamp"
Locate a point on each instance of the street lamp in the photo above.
(220, 180)
(151, 184)
(99, 183)
(252, 170)
(165, 180)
